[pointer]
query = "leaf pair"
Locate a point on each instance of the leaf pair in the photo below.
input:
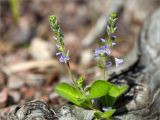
(70, 93)
(114, 92)
(99, 88)
(105, 91)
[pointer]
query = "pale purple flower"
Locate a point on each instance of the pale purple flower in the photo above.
(98, 51)
(109, 64)
(118, 61)
(102, 50)
(63, 58)
(102, 40)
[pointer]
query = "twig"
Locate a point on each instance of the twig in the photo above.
(31, 65)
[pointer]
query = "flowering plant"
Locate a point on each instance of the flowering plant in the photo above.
(85, 96)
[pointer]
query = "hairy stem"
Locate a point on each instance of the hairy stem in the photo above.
(104, 74)
(103, 68)
(70, 74)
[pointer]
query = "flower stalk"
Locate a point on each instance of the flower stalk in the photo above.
(104, 51)
(70, 74)
(61, 50)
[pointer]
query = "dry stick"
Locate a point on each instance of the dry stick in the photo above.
(101, 24)
(32, 64)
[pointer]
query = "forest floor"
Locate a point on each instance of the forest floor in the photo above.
(29, 69)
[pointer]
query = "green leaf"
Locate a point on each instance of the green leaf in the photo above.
(116, 91)
(70, 93)
(107, 114)
(80, 82)
(98, 88)
(98, 114)
(107, 101)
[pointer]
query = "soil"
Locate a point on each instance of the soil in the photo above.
(29, 68)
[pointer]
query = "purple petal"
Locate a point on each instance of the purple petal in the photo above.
(109, 64)
(97, 52)
(118, 61)
(105, 47)
(107, 50)
(63, 58)
(102, 40)
(102, 50)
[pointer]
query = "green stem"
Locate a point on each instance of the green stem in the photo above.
(104, 74)
(103, 68)
(73, 80)
(70, 74)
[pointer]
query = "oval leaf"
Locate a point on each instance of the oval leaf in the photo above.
(98, 88)
(116, 91)
(70, 93)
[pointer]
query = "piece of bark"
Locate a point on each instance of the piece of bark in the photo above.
(146, 104)
(31, 65)
(39, 110)
(71, 112)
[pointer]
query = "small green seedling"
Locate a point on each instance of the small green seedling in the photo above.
(84, 96)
